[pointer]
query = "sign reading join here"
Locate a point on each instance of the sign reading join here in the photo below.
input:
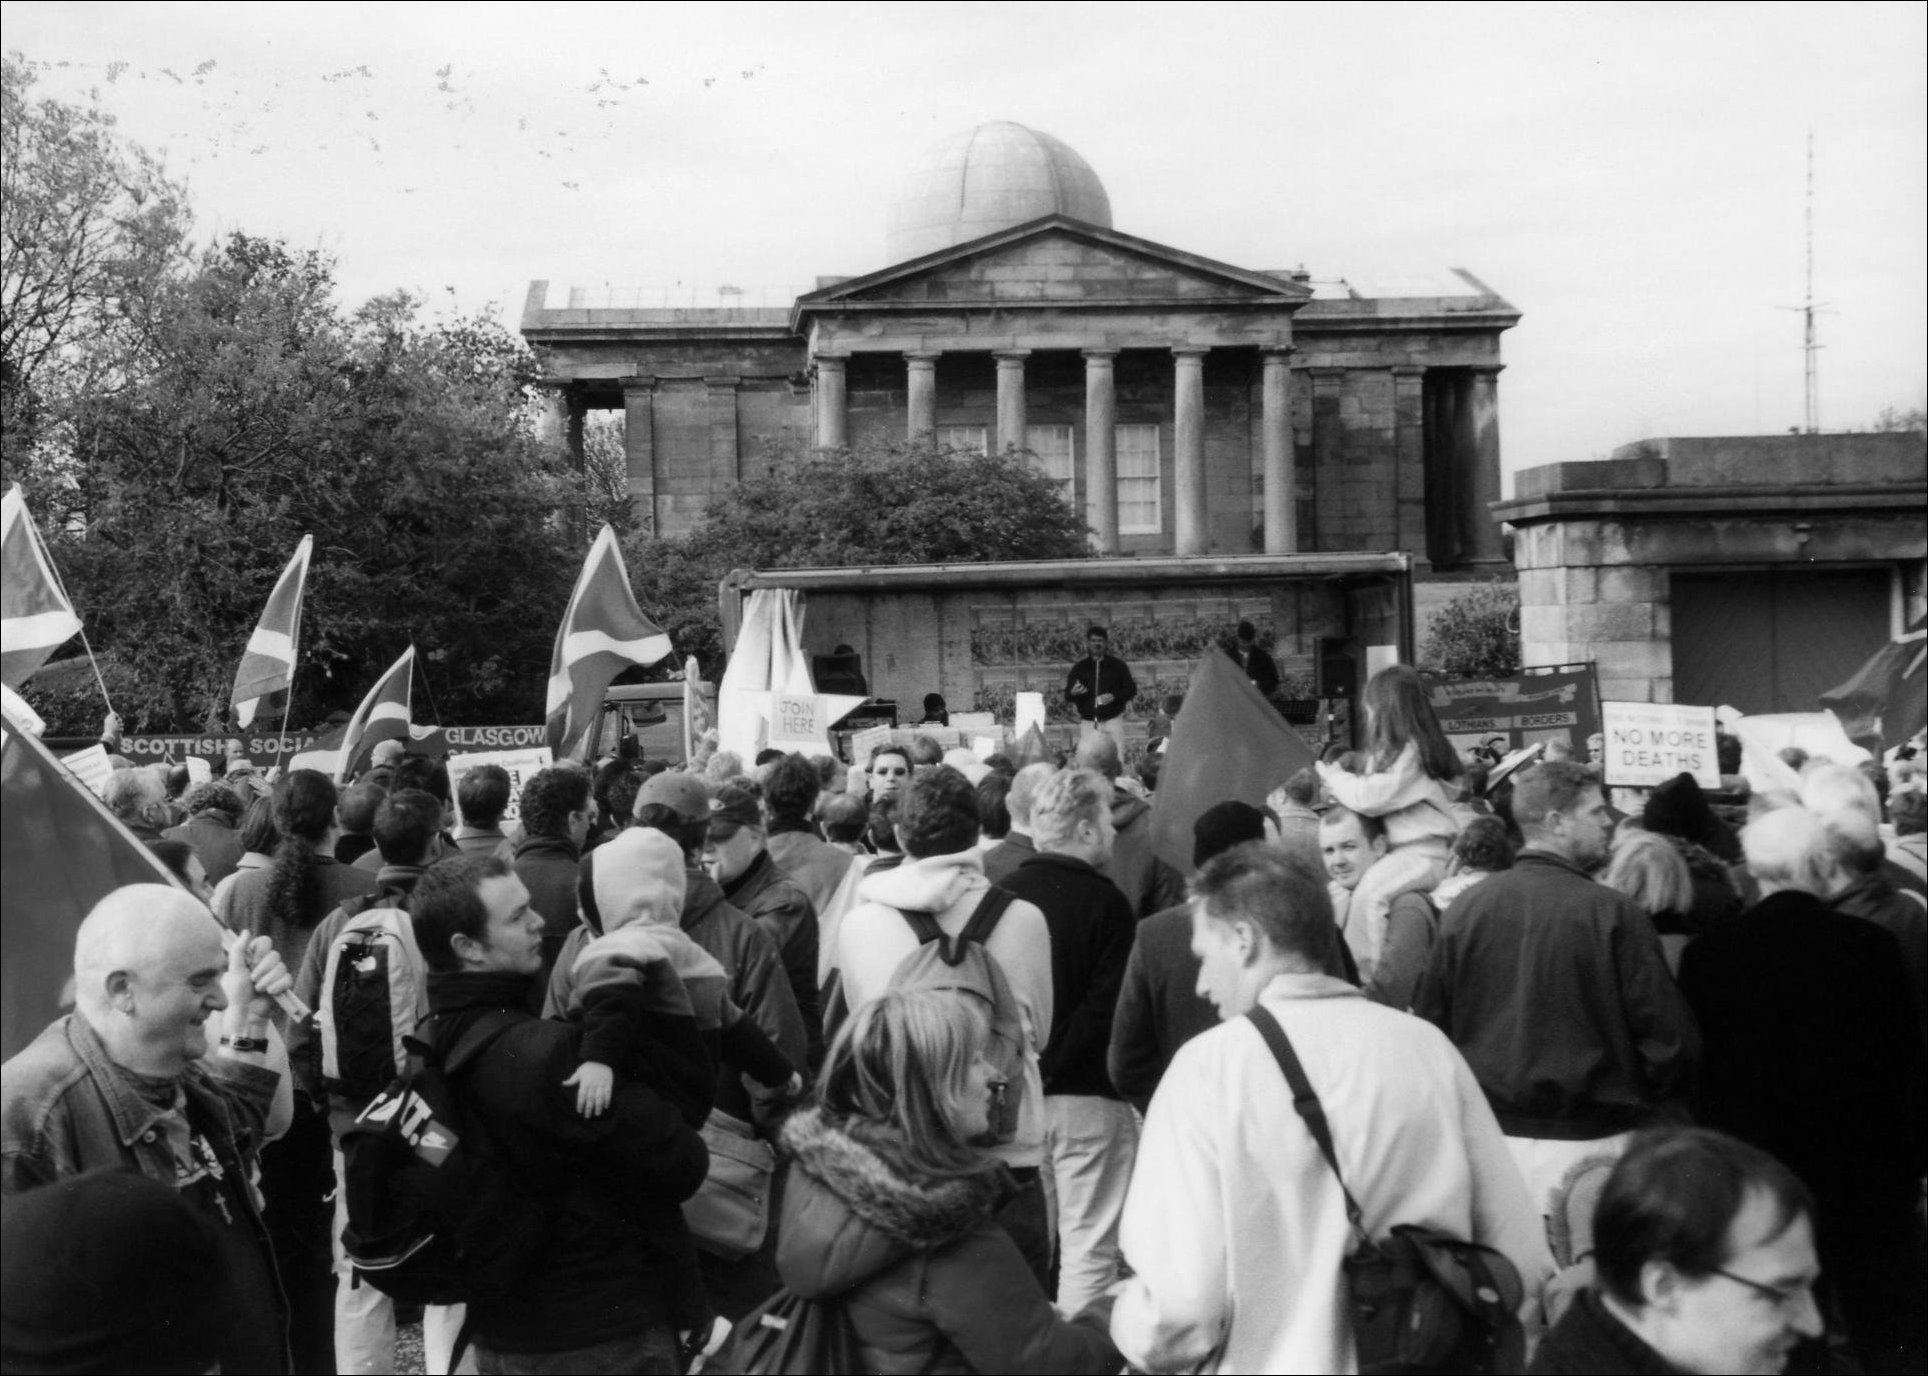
(1648, 743)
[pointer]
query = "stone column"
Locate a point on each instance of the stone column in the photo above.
(552, 422)
(639, 446)
(1101, 454)
(1482, 485)
(830, 400)
(572, 431)
(1188, 426)
(923, 394)
(1010, 398)
(1281, 469)
(726, 460)
(1409, 456)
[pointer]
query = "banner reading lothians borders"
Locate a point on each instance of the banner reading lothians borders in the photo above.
(1525, 709)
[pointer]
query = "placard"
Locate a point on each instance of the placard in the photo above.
(522, 765)
(1521, 711)
(91, 766)
(1648, 743)
(864, 741)
(1027, 712)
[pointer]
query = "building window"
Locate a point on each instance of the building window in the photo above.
(1139, 509)
(1051, 445)
(974, 438)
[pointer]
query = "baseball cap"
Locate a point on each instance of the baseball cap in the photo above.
(683, 794)
(736, 804)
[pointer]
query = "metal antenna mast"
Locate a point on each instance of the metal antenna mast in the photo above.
(1809, 310)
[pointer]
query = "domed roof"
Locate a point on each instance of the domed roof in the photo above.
(995, 176)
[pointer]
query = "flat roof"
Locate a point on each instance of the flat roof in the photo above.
(1075, 572)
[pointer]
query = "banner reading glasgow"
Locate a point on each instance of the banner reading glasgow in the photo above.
(1525, 709)
(268, 749)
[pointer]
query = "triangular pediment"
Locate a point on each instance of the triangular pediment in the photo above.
(1056, 261)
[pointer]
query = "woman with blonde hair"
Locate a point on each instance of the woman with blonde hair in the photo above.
(890, 1204)
(1646, 868)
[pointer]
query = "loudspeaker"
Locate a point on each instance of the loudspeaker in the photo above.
(1338, 670)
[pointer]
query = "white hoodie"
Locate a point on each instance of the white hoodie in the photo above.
(873, 940)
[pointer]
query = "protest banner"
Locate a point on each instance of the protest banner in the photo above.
(1526, 709)
(520, 764)
(1648, 743)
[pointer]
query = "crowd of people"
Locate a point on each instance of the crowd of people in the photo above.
(1018, 1075)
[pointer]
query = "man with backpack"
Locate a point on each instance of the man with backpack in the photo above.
(351, 1050)
(939, 892)
(1091, 1135)
(578, 1287)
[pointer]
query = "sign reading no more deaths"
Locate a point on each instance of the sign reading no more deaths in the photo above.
(1648, 743)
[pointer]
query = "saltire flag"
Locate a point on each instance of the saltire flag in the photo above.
(602, 633)
(383, 715)
(1885, 698)
(35, 616)
(63, 851)
(1227, 743)
(268, 664)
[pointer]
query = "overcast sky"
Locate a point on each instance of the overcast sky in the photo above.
(1630, 177)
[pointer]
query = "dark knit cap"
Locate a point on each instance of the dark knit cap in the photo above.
(1220, 828)
(1679, 808)
(108, 1271)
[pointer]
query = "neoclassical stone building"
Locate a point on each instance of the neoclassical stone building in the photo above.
(1187, 406)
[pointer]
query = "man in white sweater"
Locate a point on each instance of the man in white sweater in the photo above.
(1235, 1225)
(943, 875)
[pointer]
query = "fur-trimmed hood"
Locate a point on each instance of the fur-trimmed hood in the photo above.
(854, 1207)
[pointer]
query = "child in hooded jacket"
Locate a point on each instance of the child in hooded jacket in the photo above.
(655, 1008)
(1411, 784)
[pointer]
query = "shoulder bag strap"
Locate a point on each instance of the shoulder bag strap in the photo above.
(924, 926)
(1306, 1101)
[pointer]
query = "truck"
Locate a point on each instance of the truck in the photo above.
(979, 633)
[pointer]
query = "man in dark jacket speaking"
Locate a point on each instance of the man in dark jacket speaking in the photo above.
(1100, 687)
(594, 1298)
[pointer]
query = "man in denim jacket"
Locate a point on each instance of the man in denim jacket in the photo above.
(127, 1081)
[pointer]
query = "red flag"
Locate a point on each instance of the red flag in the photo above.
(1227, 744)
(383, 715)
(35, 616)
(1884, 699)
(602, 633)
(63, 851)
(268, 664)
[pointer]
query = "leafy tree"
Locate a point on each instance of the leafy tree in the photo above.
(1893, 419)
(1477, 634)
(257, 410)
(90, 228)
(895, 503)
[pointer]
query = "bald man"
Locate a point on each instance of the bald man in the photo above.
(130, 1081)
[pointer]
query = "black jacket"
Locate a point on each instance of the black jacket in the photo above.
(598, 1278)
(1814, 1054)
(781, 908)
(1088, 681)
(1588, 1341)
(1555, 990)
(1091, 930)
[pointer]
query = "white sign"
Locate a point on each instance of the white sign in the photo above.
(1647, 743)
(800, 722)
(1027, 712)
(522, 766)
(90, 766)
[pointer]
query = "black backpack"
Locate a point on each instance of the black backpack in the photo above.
(433, 1215)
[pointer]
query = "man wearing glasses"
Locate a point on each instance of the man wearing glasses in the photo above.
(1703, 1250)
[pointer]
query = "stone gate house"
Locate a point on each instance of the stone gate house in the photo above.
(1754, 571)
(1187, 406)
